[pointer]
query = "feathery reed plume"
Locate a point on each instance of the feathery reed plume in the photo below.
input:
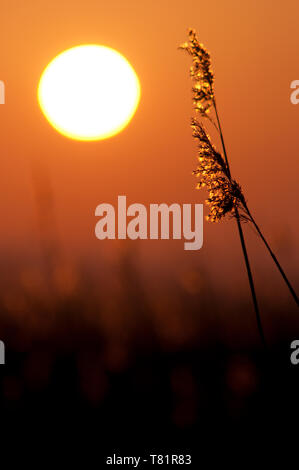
(200, 72)
(225, 194)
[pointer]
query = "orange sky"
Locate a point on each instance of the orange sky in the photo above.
(254, 47)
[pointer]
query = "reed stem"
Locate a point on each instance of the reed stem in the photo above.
(242, 239)
(284, 276)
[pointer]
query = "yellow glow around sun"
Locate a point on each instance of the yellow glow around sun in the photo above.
(89, 92)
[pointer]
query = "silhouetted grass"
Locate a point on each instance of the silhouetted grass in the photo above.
(225, 194)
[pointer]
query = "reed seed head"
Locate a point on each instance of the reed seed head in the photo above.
(201, 74)
(225, 194)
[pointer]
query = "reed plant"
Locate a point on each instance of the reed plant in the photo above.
(225, 196)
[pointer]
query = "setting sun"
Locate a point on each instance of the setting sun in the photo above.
(89, 92)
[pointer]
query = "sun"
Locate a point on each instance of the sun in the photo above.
(89, 92)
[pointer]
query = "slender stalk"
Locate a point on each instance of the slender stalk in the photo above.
(221, 137)
(250, 279)
(291, 289)
(242, 239)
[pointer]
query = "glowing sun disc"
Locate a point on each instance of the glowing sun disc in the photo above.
(89, 92)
